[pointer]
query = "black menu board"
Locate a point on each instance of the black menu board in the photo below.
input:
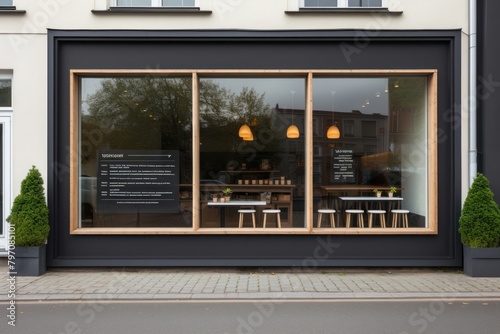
(138, 181)
(343, 166)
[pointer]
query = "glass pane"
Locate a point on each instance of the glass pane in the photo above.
(136, 152)
(382, 127)
(133, 3)
(6, 3)
(5, 93)
(178, 3)
(320, 3)
(244, 147)
(365, 3)
(1, 181)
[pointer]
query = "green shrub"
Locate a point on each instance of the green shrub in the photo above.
(479, 224)
(30, 214)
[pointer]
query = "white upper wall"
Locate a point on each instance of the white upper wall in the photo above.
(233, 14)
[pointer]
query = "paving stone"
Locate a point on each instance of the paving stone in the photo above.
(166, 283)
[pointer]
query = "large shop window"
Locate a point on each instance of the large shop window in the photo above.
(380, 149)
(135, 149)
(254, 152)
(246, 146)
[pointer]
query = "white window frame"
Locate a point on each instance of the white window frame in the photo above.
(155, 3)
(342, 4)
(6, 120)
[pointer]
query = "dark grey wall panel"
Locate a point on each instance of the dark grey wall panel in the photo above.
(488, 94)
(254, 50)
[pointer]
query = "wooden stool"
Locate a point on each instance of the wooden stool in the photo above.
(328, 211)
(278, 219)
(404, 217)
(358, 213)
(242, 212)
(380, 213)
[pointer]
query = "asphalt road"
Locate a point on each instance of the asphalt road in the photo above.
(347, 316)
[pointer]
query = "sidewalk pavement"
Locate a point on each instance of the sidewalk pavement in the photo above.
(246, 283)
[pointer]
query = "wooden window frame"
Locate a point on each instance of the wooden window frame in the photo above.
(432, 146)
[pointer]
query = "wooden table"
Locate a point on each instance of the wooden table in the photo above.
(223, 206)
(253, 191)
(328, 191)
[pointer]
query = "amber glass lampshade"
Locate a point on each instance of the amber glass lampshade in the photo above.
(292, 132)
(333, 132)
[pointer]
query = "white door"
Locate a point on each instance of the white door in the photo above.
(5, 180)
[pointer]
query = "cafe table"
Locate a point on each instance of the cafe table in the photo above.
(371, 199)
(374, 199)
(347, 190)
(224, 205)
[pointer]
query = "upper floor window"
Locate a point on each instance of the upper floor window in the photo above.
(369, 129)
(6, 3)
(348, 128)
(5, 92)
(343, 3)
(155, 3)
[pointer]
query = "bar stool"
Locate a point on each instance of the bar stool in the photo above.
(242, 213)
(276, 211)
(327, 211)
(404, 217)
(380, 213)
(358, 213)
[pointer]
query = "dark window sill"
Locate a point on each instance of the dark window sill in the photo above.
(10, 10)
(381, 10)
(152, 10)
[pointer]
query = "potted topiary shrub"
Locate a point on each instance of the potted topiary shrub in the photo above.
(479, 228)
(29, 218)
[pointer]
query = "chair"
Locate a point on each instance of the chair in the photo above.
(242, 213)
(358, 213)
(276, 211)
(396, 214)
(331, 212)
(380, 213)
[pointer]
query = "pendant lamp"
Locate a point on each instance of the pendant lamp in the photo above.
(293, 131)
(333, 131)
(245, 131)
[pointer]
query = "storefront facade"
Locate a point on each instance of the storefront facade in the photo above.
(150, 148)
(148, 128)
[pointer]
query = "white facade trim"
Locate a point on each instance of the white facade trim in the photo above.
(5, 120)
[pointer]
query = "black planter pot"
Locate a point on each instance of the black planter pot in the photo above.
(482, 262)
(30, 261)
